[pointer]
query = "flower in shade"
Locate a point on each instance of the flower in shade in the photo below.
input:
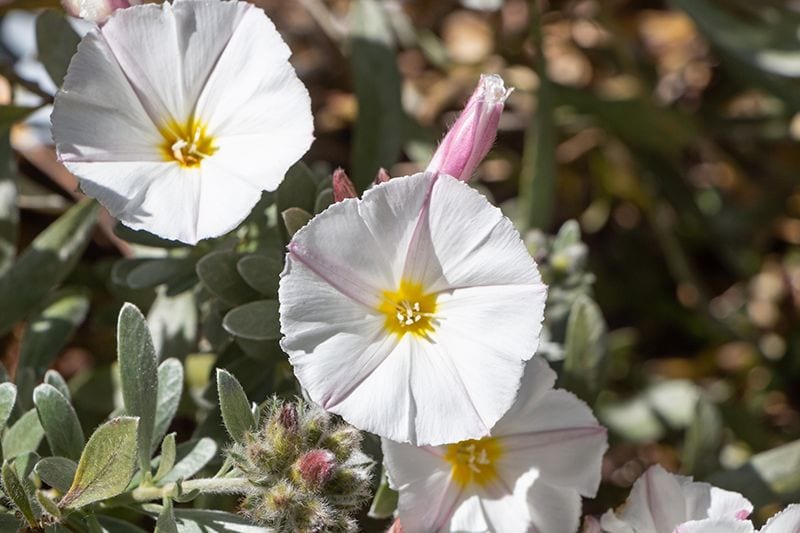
(96, 10)
(529, 475)
(472, 135)
(787, 521)
(661, 502)
(176, 116)
(410, 312)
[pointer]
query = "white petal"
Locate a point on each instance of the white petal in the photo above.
(470, 243)
(469, 517)
(226, 198)
(553, 509)
(537, 380)
(655, 504)
(427, 494)
(787, 521)
(711, 525)
(728, 504)
(96, 115)
(504, 510)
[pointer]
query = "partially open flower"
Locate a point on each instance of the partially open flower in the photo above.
(527, 476)
(471, 137)
(659, 502)
(177, 116)
(411, 312)
(96, 10)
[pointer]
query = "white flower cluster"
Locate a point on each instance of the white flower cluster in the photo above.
(413, 312)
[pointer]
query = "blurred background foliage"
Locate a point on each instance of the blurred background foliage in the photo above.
(649, 155)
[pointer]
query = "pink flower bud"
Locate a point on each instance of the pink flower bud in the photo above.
(288, 417)
(342, 186)
(316, 466)
(471, 137)
(381, 177)
(96, 10)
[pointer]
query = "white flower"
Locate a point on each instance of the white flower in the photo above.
(659, 502)
(410, 312)
(528, 476)
(176, 117)
(96, 10)
(787, 521)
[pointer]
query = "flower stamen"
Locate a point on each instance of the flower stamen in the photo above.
(188, 143)
(474, 461)
(409, 310)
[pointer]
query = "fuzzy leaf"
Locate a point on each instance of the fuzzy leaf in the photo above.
(256, 321)
(207, 521)
(13, 488)
(585, 349)
(48, 505)
(60, 422)
(261, 272)
(24, 436)
(218, 273)
(385, 502)
(52, 377)
(298, 189)
(170, 388)
(8, 395)
(166, 519)
(139, 376)
(295, 218)
(107, 464)
(58, 472)
(167, 459)
(192, 456)
(235, 407)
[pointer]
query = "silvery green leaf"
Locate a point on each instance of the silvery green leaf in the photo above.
(13, 488)
(585, 349)
(52, 377)
(234, 405)
(192, 456)
(166, 519)
(256, 321)
(170, 388)
(8, 396)
(56, 42)
(167, 459)
(24, 436)
(107, 464)
(385, 502)
(295, 218)
(261, 272)
(138, 376)
(60, 422)
(58, 472)
(217, 271)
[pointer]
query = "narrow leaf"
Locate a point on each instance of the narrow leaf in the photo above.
(166, 519)
(167, 460)
(170, 388)
(234, 405)
(139, 376)
(584, 349)
(9, 212)
(256, 321)
(8, 395)
(52, 377)
(24, 436)
(107, 464)
(385, 502)
(58, 472)
(14, 489)
(377, 138)
(45, 263)
(60, 422)
(56, 42)
(193, 456)
(48, 504)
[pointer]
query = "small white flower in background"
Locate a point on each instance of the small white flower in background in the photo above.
(96, 10)
(787, 521)
(410, 312)
(659, 502)
(543, 455)
(470, 138)
(176, 117)
(483, 5)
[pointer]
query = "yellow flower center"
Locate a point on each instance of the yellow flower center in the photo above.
(409, 310)
(187, 143)
(474, 461)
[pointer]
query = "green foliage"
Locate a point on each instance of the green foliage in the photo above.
(45, 263)
(139, 376)
(14, 489)
(58, 472)
(256, 321)
(234, 406)
(170, 388)
(59, 421)
(56, 42)
(24, 436)
(106, 465)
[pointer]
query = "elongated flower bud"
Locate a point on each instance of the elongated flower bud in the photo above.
(342, 186)
(96, 10)
(471, 137)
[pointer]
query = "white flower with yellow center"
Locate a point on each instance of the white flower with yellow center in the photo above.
(529, 475)
(177, 116)
(410, 312)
